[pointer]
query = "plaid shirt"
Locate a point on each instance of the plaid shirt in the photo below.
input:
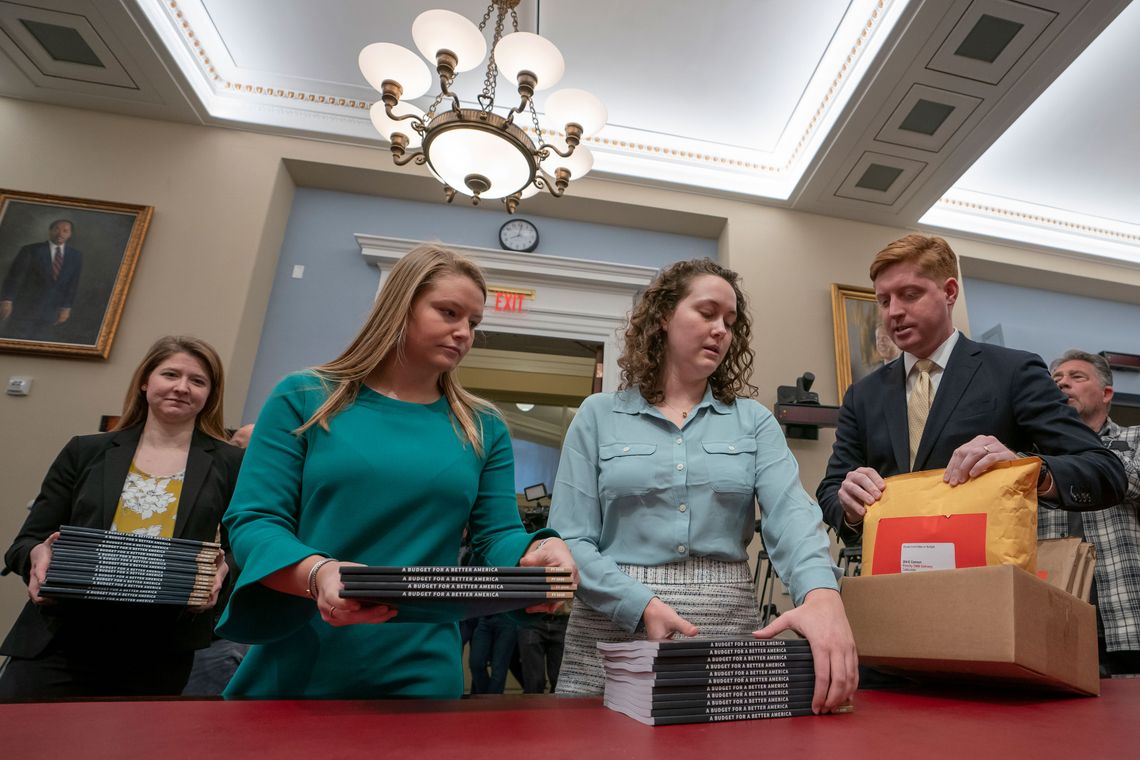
(1115, 532)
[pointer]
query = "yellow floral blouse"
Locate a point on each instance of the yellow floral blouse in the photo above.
(148, 505)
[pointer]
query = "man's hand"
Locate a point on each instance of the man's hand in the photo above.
(5, 310)
(662, 621)
(860, 489)
(822, 621)
(974, 457)
(64, 315)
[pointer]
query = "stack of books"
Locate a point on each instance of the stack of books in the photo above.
(708, 680)
(442, 594)
(89, 563)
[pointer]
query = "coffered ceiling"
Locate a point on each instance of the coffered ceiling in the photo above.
(1010, 119)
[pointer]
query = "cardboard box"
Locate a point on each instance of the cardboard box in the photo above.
(996, 623)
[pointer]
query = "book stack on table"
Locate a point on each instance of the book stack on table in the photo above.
(94, 564)
(444, 594)
(708, 680)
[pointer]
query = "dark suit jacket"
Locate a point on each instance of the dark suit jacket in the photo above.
(83, 488)
(986, 390)
(30, 287)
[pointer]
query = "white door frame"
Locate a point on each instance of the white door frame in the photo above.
(576, 299)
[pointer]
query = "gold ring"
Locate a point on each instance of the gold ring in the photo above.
(986, 449)
(332, 612)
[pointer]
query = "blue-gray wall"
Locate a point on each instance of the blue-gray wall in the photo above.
(310, 320)
(1049, 323)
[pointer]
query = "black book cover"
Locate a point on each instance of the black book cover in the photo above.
(699, 708)
(711, 663)
(125, 571)
(122, 596)
(691, 678)
(449, 610)
(704, 718)
(445, 570)
(695, 646)
(539, 597)
(451, 587)
(67, 530)
(94, 555)
(63, 579)
(656, 698)
(136, 549)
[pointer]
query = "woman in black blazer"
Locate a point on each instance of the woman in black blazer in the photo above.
(165, 470)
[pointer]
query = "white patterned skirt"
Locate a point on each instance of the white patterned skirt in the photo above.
(717, 597)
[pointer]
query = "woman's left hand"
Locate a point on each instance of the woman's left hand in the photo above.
(549, 552)
(822, 621)
(221, 569)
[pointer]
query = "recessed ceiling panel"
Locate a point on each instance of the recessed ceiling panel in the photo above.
(879, 178)
(53, 48)
(989, 39)
(927, 117)
(1075, 149)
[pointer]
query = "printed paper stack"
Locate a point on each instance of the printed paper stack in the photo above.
(88, 563)
(439, 594)
(708, 680)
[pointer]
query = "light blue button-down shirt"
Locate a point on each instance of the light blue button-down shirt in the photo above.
(633, 488)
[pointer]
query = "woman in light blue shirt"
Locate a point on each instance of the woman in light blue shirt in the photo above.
(656, 490)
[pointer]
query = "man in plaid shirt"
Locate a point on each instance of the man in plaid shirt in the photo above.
(1086, 380)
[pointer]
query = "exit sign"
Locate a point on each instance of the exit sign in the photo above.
(511, 299)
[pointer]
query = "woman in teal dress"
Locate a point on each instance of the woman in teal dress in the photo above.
(378, 458)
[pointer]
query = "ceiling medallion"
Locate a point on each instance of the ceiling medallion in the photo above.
(477, 151)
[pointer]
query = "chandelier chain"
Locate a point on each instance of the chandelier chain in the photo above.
(487, 97)
(537, 128)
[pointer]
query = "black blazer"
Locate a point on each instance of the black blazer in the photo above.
(83, 488)
(986, 390)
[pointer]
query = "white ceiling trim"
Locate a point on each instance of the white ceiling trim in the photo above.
(979, 214)
(338, 109)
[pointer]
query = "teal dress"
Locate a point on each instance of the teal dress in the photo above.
(390, 483)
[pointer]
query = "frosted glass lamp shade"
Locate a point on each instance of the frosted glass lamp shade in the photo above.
(523, 51)
(579, 163)
(446, 30)
(458, 153)
(383, 60)
(571, 106)
(387, 127)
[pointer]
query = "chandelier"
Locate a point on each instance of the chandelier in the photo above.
(478, 151)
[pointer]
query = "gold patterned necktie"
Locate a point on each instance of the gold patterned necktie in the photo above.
(918, 407)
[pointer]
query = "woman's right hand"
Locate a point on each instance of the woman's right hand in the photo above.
(338, 611)
(41, 558)
(662, 621)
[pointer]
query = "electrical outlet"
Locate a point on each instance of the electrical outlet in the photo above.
(19, 386)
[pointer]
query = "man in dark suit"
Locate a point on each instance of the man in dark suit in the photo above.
(953, 403)
(40, 287)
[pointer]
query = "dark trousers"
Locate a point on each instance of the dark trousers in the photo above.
(213, 668)
(540, 648)
(492, 645)
(63, 673)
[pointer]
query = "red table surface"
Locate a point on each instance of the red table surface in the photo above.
(925, 724)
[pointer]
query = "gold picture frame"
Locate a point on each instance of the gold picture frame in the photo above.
(855, 315)
(70, 309)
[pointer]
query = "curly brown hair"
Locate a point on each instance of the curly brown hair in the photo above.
(642, 360)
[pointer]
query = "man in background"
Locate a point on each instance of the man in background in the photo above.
(40, 287)
(953, 403)
(1086, 381)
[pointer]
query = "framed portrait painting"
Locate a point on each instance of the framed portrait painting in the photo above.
(66, 265)
(861, 344)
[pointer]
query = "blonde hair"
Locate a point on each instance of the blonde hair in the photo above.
(209, 420)
(385, 331)
(933, 256)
